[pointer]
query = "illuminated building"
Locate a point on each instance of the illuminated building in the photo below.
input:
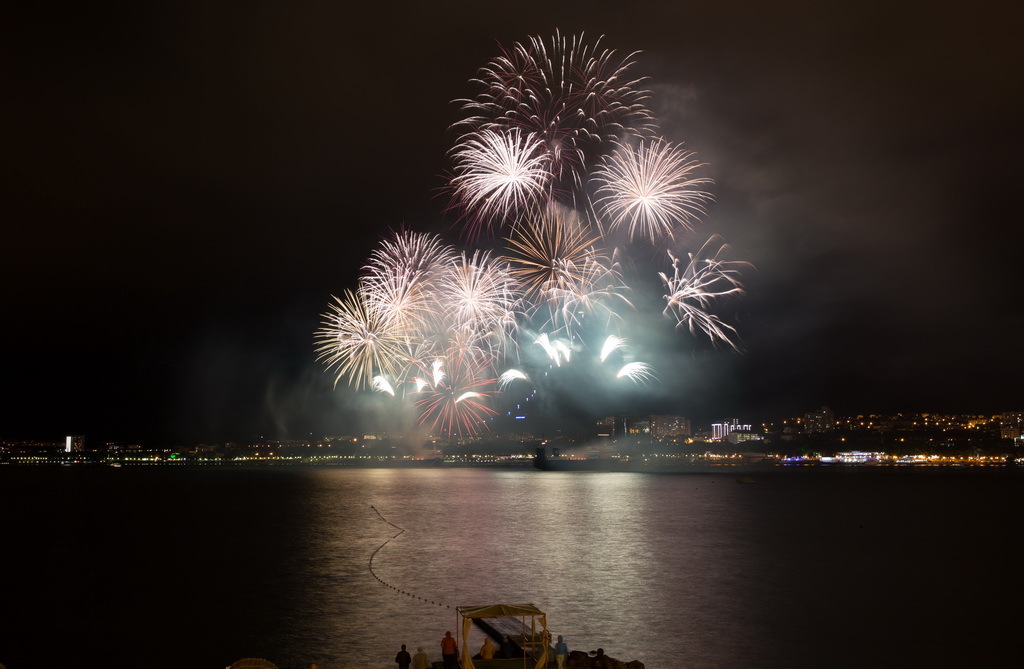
(606, 428)
(1011, 425)
(636, 425)
(822, 420)
(740, 436)
(658, 426)
(670, 426)
(722, 430)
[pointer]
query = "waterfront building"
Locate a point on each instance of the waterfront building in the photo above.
(822, 420)
(1011, 425)
(740, 436)
(670, 426)
(721, 430)
(606, 428)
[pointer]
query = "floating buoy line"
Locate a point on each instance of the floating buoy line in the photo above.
(385, 583)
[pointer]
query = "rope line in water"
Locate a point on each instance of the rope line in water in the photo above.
(382, 581)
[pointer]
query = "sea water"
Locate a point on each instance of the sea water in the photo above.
(198, 567)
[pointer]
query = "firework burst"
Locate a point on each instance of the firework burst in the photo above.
(563, 274)
(382, 385)
(508, 377)
(398, 277)
(476, 296)
(692, 289)
(455, 404)
(571, 95)
(637, 372)
(358, 340)
(554, 122)
(611, 344)
(499, 174)
(650, 190)
(544, 252)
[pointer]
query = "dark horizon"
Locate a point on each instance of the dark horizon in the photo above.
(186, 187)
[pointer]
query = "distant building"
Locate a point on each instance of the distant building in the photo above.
(74, 444)
(606, 428)
(1011, 425)
(636, 425)
(722, 430)
(822, 420)
(670, 426)
(740, 436)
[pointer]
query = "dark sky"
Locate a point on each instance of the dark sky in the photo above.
(186, 184)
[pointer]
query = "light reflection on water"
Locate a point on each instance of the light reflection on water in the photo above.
(797, 570)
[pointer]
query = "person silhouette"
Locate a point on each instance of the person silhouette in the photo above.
(403, 658)
(420, 659)
(561, 652)
(487, 650)
(449, 650)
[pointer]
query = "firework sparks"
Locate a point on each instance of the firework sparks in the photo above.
(476, 295)
(507, 377)
(397, 278)
(557, 350)
(455, 406)
(499, 174)
(692, 289)
(554, 121)
(544, 254)
(611, 343)
(597, 294)
(650, 190)
(570, 94)
(357, 340)
(637, 372)
(563, 274)
(545, 343)
(382, 385)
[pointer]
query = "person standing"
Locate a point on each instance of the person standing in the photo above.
(599, 661)
(449, 650)
(561, 652)
(403, 658)
(420, 659)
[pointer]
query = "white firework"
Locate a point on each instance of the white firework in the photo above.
(499, 174)
(611, 344)
(596, 291)
(553, 349)
(636, 371)
(692, 289)
(476, 295)
(358, 340)
(397, 278)
(382, 385)
(437, 369)
(651, 190)
(572, 94)
(509, 376)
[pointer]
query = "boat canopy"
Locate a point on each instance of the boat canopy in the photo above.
(534, 638)
(499, 611)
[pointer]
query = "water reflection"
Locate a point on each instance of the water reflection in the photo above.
(690, 570)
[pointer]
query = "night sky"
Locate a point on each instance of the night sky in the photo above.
(186, 185)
